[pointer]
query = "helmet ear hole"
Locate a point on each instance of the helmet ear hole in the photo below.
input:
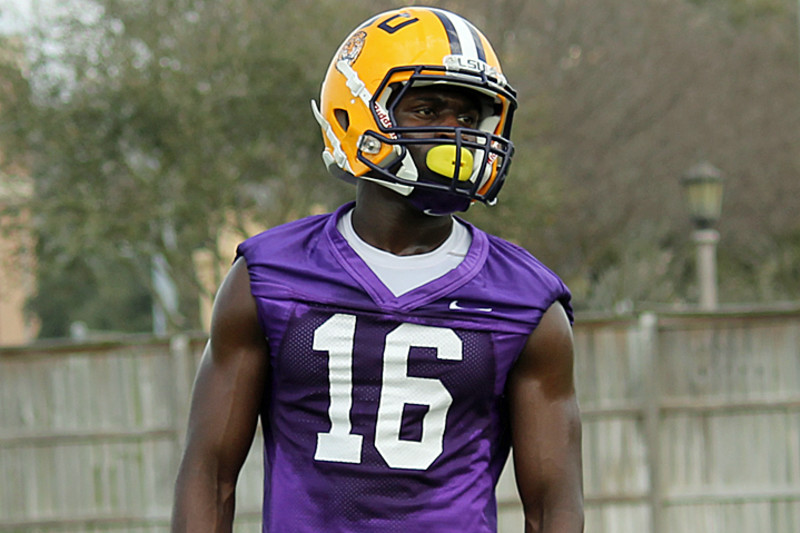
(342, 117)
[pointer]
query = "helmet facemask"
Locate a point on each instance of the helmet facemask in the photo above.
(467, 164)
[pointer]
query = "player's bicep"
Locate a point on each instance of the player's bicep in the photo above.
(228, 389)
(546, 420)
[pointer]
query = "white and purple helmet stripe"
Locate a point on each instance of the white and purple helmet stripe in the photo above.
(463, 36)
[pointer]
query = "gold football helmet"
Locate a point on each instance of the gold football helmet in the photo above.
(385, 57)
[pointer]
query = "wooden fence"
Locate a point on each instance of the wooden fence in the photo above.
(691, 423)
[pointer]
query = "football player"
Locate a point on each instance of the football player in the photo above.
(393, 352)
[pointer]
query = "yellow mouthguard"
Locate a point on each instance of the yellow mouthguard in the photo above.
(442, 160)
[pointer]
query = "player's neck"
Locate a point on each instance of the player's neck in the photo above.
(387, 221)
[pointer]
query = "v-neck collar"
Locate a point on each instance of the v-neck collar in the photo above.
(352, 263)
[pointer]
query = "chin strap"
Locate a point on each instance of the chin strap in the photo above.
(407, 171)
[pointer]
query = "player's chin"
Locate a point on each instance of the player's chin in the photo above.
(438, 202)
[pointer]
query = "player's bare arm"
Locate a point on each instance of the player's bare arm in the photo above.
(226, 403)
(546, 428)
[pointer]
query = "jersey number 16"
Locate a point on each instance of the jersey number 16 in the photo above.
(335, 336)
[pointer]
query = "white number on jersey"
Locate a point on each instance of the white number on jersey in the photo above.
(336, 336)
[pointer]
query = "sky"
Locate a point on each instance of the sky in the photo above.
(15, 15)
(18, 15)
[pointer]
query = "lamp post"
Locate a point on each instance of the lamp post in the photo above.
(703, 187)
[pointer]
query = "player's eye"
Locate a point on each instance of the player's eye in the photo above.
(469, 119)
(425, 111)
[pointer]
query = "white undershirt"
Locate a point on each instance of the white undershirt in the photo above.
(402, 273)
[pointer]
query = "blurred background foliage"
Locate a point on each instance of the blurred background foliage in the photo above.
(151, 127)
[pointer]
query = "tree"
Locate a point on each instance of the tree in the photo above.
(627, 96)
(150, 126)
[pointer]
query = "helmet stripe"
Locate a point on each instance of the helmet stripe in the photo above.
(477, 40)
(452, 34)
(463, 36)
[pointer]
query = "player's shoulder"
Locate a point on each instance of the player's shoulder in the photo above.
(507, 254)
(517, 273)
(282, 239)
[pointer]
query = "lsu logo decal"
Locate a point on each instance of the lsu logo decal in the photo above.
(459, 62)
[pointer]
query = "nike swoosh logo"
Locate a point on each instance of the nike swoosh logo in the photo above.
(455, 307)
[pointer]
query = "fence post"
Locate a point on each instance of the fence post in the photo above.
(648, 335)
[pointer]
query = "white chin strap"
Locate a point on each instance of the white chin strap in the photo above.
(408, 171)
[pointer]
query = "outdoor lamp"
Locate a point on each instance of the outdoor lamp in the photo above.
(703, 186)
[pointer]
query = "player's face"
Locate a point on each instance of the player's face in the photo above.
(436, 106)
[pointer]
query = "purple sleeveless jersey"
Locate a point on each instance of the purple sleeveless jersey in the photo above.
(387, 414)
